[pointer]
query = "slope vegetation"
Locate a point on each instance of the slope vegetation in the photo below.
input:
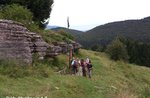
(76, 33)
(110, 80)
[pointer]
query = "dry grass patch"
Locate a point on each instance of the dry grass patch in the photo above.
(126, 94)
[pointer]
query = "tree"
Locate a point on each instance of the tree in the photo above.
(117, 50)
(41, 9)
(139, 52)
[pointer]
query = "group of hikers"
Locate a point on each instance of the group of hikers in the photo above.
(81, 67)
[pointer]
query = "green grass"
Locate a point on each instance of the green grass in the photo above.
(51, 36)
(110, 80)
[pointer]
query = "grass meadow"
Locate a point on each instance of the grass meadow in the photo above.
(110, 79)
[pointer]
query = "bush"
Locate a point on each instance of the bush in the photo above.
(20, 14)
(17, 13)
(117, 50)
(40, 8)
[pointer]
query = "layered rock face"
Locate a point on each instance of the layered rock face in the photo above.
(65, 47)
(18, 43)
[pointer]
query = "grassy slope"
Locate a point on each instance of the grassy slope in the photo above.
(110, 80)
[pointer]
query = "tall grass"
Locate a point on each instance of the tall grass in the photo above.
(13, 69)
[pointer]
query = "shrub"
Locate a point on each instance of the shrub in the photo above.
(17, 13)
(40, 8)
(20, 14)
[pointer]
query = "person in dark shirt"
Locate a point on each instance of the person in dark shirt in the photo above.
(83, 65)
(89, 67)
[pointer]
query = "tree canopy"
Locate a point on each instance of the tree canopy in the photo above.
(41, 9)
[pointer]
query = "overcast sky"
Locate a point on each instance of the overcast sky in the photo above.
(86, 14)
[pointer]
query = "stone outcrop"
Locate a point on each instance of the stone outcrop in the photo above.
(18, 43)
(53, 51)
(65, 47)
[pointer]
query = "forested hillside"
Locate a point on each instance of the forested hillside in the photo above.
(103, 34)
(134, 36)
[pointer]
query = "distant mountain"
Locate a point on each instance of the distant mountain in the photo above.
(103, 34)
(51, 27)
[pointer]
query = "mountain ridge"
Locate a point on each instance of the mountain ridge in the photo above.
(133, 29)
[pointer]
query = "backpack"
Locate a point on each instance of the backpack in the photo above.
(89, 65)
(74, 63)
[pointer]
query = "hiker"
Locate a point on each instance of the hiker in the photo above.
(89, 67)
(74, 65)
(87, 60)
(77, 65)
(83, 67)
(80, 68)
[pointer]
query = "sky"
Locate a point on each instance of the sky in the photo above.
(87, 14)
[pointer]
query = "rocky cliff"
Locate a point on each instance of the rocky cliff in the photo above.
(18, 43)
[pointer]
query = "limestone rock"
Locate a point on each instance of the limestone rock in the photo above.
(65, 47)
(18, 43)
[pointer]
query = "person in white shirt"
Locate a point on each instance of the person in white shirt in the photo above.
(87, 60)
(80, 73)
